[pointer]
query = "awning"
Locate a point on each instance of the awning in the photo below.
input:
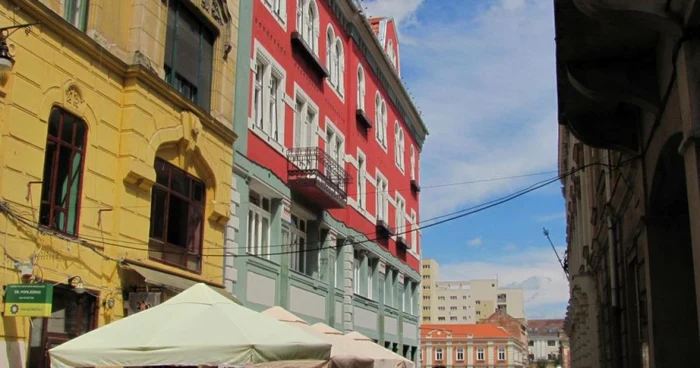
(173, 282)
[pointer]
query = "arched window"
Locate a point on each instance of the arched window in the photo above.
(330, 37)
(396, 143)
(413, 163)
(339, 65)
(402, 150)
(360, 88)
(378, 117)
(300, 16)
(384, 123)
(311, 25)
(391, 53)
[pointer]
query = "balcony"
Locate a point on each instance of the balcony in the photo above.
(415, 187)
(383, 229)
(317, 177)
(308, 54)
(402, 243)
(363, 119)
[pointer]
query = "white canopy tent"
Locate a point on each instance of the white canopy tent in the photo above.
(344, 354)
(197, 327)
(383, 358)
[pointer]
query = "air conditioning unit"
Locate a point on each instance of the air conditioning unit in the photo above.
(140, 301)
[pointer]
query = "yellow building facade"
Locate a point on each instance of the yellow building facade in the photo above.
(115, 158)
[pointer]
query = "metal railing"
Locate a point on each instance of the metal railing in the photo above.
(314, 163)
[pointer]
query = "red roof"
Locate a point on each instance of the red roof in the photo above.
(482, 330)
(543, 325)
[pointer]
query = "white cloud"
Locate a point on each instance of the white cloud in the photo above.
(536, 271)
(551, 217)
(484, 78)
(475, 242)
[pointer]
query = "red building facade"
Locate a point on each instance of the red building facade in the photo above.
(329, 163)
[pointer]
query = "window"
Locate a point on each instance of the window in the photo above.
(307, 23)
(76, 12)
(501, 298)
(305, 121)
(453, 318)
(383, 200)
(259, 219)
(400, 215)
(441, 308)
(453, 308)
(339, 66)
(478, 313)
(426, 297)
(414, 230)
(480, 354)
(441, 298)
(63, 172)
(399, 147)
(502, 308)
(441, 318)
(177, 217)
(356, 276)
(299, 229)
(501, 354)
(464, 307)
(278, 9)
(426, 308)
(360, 88)
(361, 181)
(426, 319)
(413, 163)
(460, 354)
(478, 302)
(420, 354)
(268, 96)
(334, 144)
(331, 56)
(453, 297)
(189, 48)
(531, 343)
(380, 117)
(389, 288)
(551, 343)
(438, 354)
(391, 53)
(464, 318)
(370, 279)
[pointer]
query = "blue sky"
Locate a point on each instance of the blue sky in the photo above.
(482, 72)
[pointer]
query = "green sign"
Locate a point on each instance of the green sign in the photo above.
(31, 300)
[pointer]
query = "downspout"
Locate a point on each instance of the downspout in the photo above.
(612, 240)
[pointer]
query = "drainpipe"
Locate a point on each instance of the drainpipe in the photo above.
(612, 240)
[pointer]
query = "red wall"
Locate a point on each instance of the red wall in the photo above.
(270, 34)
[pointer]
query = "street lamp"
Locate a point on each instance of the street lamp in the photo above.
(6, 60)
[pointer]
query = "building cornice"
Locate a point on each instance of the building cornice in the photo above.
(129, 73)
(355, 23)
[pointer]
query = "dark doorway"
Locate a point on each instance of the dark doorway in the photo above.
(72, 315)
(671, 269)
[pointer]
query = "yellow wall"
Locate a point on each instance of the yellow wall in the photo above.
(132, 116)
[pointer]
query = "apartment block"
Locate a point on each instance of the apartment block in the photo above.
(469, 301)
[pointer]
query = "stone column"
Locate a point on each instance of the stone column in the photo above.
(490, 359)
(347, 284)
(428, 354)
(448, 351)
(470, 353)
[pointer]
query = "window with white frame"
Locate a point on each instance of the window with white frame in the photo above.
(391, 53)
(335, 144)
(330, 54)
(361, 181)
(389, 288)
(460, 354)
(259, 219)
(380, 117)
(360, 88)
(370, 279)
(501, 354)
(278, 9)
(357, 267)
(400, 215)
(480, 354)
(414, 230)
(382, 198)
(267, 112)
(399, 146)
(297, 259)
(305, 122)
(339, 66)
(438, 354)
(307, 23)
(413, 163)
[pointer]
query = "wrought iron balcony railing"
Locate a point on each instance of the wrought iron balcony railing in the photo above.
(315, 173)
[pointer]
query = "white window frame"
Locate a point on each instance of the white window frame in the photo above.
(361, 91)
(438, 354)
(460, 354)
(279, 14)
(501, 354)
(480, 354)
(339, 52)
(309, 28)
(357, 271)
(270, 68)
(380, 116)
(400, 215)
(256, 215)
(337, 140)
(391, 52)
(361, 181)
(382, 200)
(399, 147)
(414, 231)
(413, 162)
(298, 252)
(330, 55)
(370, 278)
(307, 105)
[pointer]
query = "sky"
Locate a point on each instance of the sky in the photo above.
(482, 73)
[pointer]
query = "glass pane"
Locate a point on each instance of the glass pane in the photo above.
(205, 70)
(158, 215)
(194, 233)
(265, 236)
(180, 183)
(188, 47)
(67, 128)
(177, 221)
(170, 34)
(162, 172)
(197, 191)
(250, 231)
(74, 193)
(54, 121)
(79, 141)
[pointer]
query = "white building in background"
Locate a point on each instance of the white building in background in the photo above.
(543, 338)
